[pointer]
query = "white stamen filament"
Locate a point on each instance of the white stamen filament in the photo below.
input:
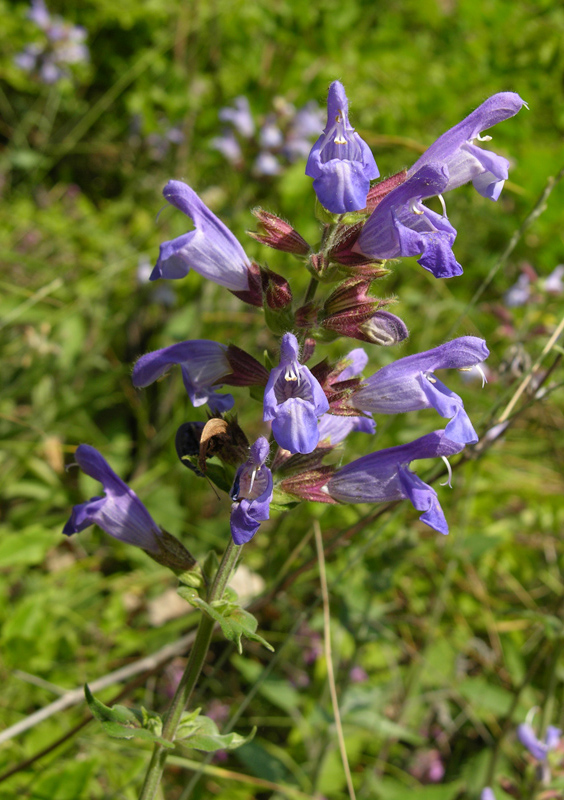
(414, 207)
(485, 138)
(449, 469)
(483, 374)
(443, 204)
(292, 374)
(253, 476)
(430, 377)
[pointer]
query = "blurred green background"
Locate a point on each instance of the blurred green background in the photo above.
(441, 646)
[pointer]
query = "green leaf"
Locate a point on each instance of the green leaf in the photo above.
(121, 722)
(233, 620)
(202, 733)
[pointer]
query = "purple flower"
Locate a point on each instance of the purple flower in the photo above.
(239, 116)
(120, 512)
(553, 283)
(385, 476)
(466, 161)
(202, 362)
(228, 145)
(538, 749)
(340, 162)
(251, 494)
(266, 164)
(401, 225)
(38, 13)
(306, 124)
(487, 794)
(293, 400)
(210, 249)
(409, 384)
(520, 293)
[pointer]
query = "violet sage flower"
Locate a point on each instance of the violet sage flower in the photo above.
(340, 162)
(487, 794)
(251, 494)
(410, 384)
(401, 225)
(466, 161)
(122, 515)
(385, 476)
(210, 249)
(538, 749)
(119, 513)
(202, 362)
(293, 400)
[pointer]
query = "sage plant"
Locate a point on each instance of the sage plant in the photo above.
(309, 404)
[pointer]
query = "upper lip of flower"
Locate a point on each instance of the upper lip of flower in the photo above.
(210, 249)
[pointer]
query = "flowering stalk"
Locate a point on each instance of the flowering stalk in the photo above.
(191, 674)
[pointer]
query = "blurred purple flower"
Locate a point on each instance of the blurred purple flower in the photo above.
(267, 164)
(554, 283)
(358, 675)
(239, 115)
(538, 749)
(228, 145)
(487, 794)
(518, 294)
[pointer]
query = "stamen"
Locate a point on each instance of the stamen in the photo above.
(413, 207)
(253, 476)
(430, 377)
(443, 204)
(73, 464)
(339, 139)
(292, 374)
(483, 374)
(449, 469)
(485, 138)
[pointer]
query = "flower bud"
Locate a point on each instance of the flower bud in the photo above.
(276, 233)
(351, 311)
(275, 289)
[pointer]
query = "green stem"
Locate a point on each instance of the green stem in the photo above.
(191, 674)
(311, 290)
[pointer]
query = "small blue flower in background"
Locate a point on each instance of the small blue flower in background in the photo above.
(119, 513)
(487, 794)
(293, 400)
(210, 249)
(409, 384)
(341, 163)
(519, 294)
(538, 749)
(385, 476)
(401, 225)
(64, 45)
(464, 160)
(240, 116)
(202, 362)
(251, 494)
